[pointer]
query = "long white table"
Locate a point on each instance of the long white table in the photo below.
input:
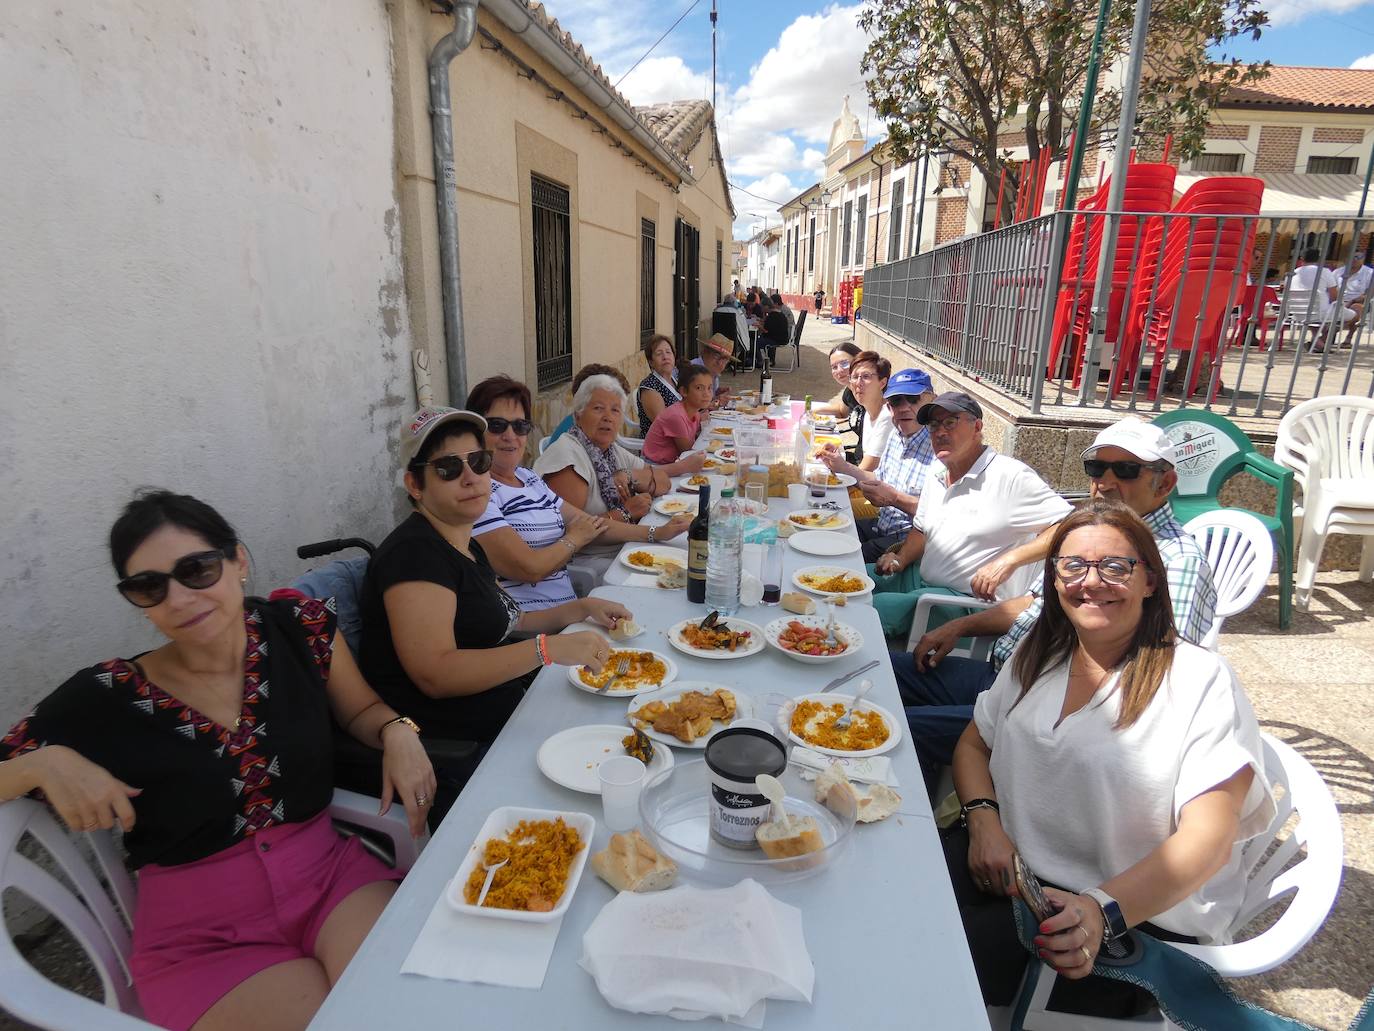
(881, 923)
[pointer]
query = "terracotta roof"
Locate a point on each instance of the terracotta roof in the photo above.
(678, 123)
(1294, 87)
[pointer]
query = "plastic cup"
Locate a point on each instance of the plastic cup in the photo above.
(719, 482)
(622, 778)
(796, 494)
(757, 493)
(770, 572)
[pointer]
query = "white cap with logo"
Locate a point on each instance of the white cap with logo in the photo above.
(1145, 440)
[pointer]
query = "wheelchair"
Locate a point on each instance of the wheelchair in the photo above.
(358, 767)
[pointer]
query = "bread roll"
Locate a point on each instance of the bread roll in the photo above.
(835, 792)
(630, 863)
(796, 836)
(625, 629)
(801, 604)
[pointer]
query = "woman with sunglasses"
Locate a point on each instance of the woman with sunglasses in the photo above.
(437, 626)
(842, 404)
(657, 390)
(249, 904)
(528, 532)
(1122, 764)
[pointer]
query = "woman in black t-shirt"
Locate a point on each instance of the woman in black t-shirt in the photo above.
(213, 753)
(436, 624)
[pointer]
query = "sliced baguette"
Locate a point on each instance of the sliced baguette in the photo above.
(801, 604)
(796, 836)
(630, 863)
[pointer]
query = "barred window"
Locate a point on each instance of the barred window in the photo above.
(552, 210)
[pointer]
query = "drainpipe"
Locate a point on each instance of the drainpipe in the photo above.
(446, 201)
(877, 203)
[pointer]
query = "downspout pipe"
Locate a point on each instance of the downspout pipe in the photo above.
(445, 194)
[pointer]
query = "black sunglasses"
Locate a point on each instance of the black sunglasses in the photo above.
(498, 426)
(897, 400)
(1096, 468)
(450, 467)
(197, 571)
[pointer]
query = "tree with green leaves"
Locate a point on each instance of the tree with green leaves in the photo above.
(959, 77)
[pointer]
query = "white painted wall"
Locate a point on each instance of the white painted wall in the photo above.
(200, 288)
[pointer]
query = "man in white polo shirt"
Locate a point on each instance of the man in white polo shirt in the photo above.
(975, 527)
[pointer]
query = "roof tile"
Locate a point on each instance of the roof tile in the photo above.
(1294, 86)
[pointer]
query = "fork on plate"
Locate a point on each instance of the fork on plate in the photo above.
(621, 668)
(847, 717)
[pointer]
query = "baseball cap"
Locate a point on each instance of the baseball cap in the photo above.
(721, 344)
(1145, 440)
(416, 430)
(953, 401)
(908, 381)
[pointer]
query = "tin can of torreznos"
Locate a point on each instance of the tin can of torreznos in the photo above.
(735, 757)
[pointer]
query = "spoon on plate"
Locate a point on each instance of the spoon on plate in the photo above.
(486, 886)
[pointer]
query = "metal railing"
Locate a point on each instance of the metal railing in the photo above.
(1203, 309)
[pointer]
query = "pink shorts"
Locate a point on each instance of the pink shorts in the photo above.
(203, 928)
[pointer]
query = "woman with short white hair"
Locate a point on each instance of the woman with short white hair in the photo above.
(590, 470)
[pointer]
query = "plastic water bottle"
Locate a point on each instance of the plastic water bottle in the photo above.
(724, 555)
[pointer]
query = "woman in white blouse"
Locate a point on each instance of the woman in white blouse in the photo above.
(868, 376)
(1122, 764)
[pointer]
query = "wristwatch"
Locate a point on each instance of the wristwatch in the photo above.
(1113, 923)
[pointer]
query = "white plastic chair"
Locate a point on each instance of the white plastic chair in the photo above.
(631, 444)
(1328, 442)
(100, 919)
(981, 647)
(544, 443)
(1312, 882)
(1240, 552)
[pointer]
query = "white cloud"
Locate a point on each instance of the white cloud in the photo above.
(1288, 12)
(658, 79)
(1363, 62)
(764, 155)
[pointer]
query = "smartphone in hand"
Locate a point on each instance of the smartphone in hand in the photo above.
(1028, 887)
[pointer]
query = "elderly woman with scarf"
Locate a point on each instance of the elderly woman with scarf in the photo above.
(587, 468)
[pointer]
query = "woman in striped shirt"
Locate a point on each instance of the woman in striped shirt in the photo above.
(528, 532)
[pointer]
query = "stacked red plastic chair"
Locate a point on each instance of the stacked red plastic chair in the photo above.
(1196, 272)
(1149, 188)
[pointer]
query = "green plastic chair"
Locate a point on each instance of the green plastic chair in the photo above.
(1211, 449)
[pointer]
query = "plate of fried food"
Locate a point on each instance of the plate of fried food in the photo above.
(840, 480)
(811, 722)
(652, 558)
(804, 638)
(671, 506)
(715, 466)
(694, 483)
(723, 431)
(687, 713)
(571, 757)
(832, 580)
(543, 851)
(644, 671)
(726, 639)
(820, 519)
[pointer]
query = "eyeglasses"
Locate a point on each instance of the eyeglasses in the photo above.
(945, 425)
(450, 467)
(839, 366)
(499, 426)
(897, 400)
(197, 571)
(1096, 468)
(1113, 569)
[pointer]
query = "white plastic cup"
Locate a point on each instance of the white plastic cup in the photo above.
(797, 494)
(622, 778)
(719, 481)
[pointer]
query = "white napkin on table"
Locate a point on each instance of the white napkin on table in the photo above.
(869, 769)
(458, 947)
(691, 953)
(641, 580)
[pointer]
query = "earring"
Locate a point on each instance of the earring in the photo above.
(243, 581)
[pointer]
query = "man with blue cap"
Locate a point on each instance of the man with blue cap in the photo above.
(905, 464)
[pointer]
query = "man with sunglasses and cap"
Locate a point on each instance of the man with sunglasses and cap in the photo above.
(903, 468)
(1131, 462)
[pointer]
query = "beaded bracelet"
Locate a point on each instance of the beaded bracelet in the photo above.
(541, 649)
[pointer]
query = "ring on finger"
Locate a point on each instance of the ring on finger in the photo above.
(1087, 956)
(422, 800)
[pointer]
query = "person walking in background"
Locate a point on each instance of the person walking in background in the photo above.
(819, 298)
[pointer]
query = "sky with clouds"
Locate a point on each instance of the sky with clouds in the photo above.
(784, 68)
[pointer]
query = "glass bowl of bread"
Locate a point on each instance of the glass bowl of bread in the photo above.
(674, 810)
